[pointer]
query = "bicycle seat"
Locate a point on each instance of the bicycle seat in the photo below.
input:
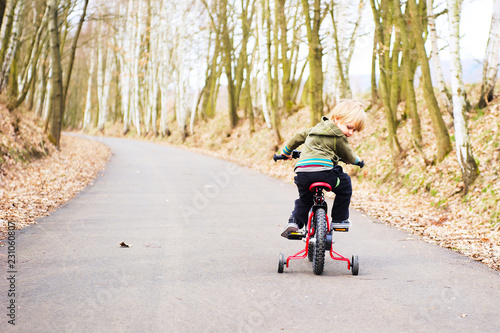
(324, 186)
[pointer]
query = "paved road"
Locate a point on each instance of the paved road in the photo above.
(204, 238)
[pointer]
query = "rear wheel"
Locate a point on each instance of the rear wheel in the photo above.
(319, 246)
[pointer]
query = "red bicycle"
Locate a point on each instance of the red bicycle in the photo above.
(318, 235)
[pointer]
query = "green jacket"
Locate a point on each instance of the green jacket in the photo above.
(324, 144)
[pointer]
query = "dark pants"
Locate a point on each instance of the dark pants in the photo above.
(343, 192)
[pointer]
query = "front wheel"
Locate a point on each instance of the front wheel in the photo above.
(319, 246)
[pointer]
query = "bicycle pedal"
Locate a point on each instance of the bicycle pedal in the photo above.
(296, 235)
(344, 229)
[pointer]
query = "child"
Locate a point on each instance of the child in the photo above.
(324, 145)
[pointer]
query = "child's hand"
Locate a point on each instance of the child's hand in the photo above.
(288, 157)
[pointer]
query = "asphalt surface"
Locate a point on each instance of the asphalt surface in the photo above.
(204, 238)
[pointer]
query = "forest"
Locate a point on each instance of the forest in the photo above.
(155, 67)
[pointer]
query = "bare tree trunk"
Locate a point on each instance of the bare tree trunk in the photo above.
(315, 60)
(286, 81)
(47, 105)
(296, 81)
(88, 103)
(9, 22)
(136, 112)
(373, 77)
(228, 64)
(164, 72)
(73, 50)
(125, 33)
(343, 44)
(31, 67)
(444, 95)
(384, 89)
(395, 76)
(194, 107)
(491, 58)
(2, 11)
(273, 89)
(13, 46)
(67, 6)
(409, 73)
(105, 71)
(462, 143)
(42, 88)
(242, 61)
(180, 84)
(149, 78)
(57, 108)
(248, 103)
(262, 55)
(441, 132)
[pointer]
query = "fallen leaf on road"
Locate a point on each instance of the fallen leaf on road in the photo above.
(122, 244)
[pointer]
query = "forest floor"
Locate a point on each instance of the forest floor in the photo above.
(418, 197)
(35, 177)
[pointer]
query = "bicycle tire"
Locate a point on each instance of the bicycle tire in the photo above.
(281, 263)
(355, 265)
(319, 247)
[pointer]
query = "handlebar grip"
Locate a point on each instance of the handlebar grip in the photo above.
(295, 154)
(279, 157)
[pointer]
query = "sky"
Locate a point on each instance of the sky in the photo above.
(474, 29)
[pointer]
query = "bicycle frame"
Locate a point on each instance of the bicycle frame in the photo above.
(318, 202)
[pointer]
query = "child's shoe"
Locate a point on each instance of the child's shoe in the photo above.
(292, 226)
(337, 225)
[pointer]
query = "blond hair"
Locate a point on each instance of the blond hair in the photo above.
(347, 111)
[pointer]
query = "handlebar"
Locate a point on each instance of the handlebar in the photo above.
(295, 154)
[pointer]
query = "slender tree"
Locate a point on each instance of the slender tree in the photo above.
(491, 58)
(272, 70)
(42, 85)
(227, 60)
(2, 10)
(284, 57)
(7, 30)
(35, 52)
(440, 130)
(373, 77)
(382, 25)
(72, 53)
(409, 74)
(9, 57)
(88, 101)
(262, 57)
(346, 19)
(57, 106)
(444, 95)
(315, 59)
(465, 157)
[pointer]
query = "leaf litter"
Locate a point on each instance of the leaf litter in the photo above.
(35, 177)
